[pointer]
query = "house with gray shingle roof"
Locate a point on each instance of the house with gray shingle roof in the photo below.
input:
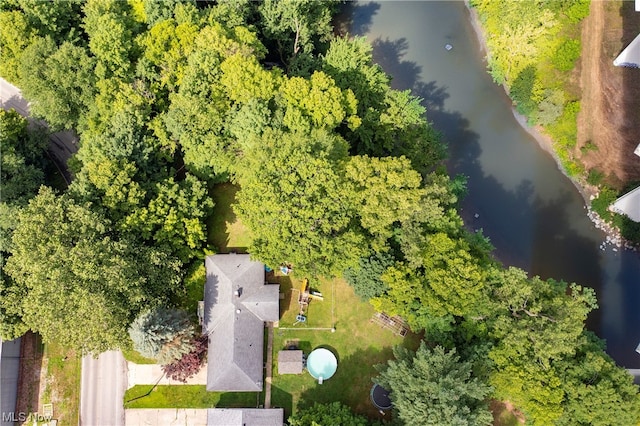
(237, 303)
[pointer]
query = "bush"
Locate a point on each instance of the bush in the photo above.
(365, 279)
(564, 58)
(190, 363)
(522, 91)
(595, 177)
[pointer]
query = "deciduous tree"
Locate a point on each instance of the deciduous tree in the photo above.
(334, 413)
(82, 286)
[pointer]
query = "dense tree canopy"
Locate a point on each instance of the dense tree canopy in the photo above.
(434, 387)
(334, 413)
(337, 171)
(81, 286)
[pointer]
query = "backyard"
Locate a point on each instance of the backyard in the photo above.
(358, 344)
(338, 321)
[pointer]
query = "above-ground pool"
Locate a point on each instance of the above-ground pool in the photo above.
(322, 364)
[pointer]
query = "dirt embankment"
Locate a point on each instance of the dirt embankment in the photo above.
(609, 119)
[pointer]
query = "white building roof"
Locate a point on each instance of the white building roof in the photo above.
(630, 57)
(629, 204)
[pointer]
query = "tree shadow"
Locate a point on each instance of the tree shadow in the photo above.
(31, 356)
(282, 399)
(222, 217)
(355, 18)
(351, 384)
(389, 55)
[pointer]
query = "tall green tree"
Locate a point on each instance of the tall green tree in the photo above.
(537, 324)
(297, 204)
(450, 282)
(82, 286)
(111, 27)
(59, 82)
(15, 36)
(163, 334)
(435, 387)
(388, 191)
(175, 217)
(597, 391)
(296, 26)
(334, 413)
(366, 277)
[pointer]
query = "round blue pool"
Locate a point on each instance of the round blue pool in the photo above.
(322, 364)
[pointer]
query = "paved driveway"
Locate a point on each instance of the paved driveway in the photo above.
(104, 381)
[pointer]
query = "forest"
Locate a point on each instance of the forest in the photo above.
(339, 175)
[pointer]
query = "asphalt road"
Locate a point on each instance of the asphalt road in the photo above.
(61, 144)
(104, 381)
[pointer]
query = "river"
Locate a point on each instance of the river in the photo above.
(533, 214)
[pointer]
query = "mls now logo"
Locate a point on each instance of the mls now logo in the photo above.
(21, 417)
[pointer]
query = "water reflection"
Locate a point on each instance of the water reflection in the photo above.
(534, 216)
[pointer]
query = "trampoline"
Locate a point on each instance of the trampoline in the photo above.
(322, 364)
(380, 397)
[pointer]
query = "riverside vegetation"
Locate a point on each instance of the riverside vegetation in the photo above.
(337, 172)
(533, 48)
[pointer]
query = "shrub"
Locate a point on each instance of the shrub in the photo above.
(564, 58)
(190, 363)
(162, 334)
(595, 177)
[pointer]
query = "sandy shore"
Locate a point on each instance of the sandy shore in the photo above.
(544, 141)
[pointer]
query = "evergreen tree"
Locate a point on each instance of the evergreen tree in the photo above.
(163, 334)
(434, 387)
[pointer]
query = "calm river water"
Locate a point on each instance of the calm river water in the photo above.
(533, 214)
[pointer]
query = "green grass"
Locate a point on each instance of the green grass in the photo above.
(187, 396)
(357, 343)
(225, 231)
(134, 356)
(62, 383)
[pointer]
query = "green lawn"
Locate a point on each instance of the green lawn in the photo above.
(187, 396)
(357, 343)
(225, 231)
(134, 356)
(62, 383)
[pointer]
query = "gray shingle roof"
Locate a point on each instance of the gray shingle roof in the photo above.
(290, 362)
(245, 417)
(236, 304)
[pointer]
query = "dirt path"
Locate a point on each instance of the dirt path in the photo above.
(608, 130)
(590, 70)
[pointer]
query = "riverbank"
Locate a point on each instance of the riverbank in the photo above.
(545, 142)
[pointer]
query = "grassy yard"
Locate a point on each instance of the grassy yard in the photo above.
(62, 386)
(187, 396)
(225, 231)
(358, 344)
(134, 356)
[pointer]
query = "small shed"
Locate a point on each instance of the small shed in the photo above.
(290, 362)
